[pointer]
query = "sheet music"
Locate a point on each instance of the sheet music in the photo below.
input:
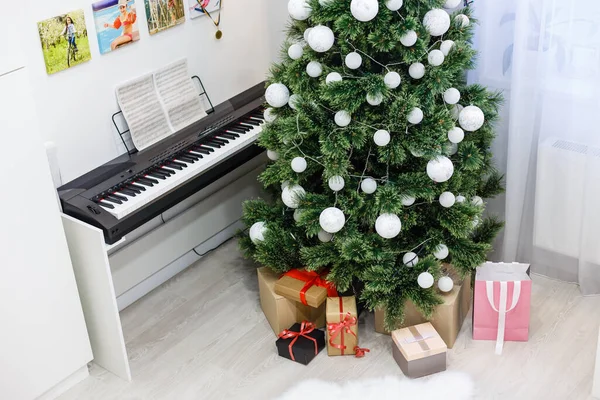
(143, 112)
(178, 95)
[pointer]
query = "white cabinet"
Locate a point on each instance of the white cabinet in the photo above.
(43, 336)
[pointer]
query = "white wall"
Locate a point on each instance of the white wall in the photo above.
(75, 105)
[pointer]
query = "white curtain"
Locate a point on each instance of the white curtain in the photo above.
(545, 56)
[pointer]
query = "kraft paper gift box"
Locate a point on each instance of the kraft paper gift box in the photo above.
(301, 343)
(281, 312)
(502, 303)
(306, 287)
(447, 318)
(419, 350)
(342, 326)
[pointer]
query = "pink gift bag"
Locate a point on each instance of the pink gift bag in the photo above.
(502, 302)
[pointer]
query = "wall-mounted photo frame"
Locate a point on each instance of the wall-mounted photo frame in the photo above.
(164, 14)
(195, 7)
(116, 24)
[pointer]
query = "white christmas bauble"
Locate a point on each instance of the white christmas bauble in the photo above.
(336, 183)
(342, 118)
(446, 46)
(408, 200)
(440, 169)
(435, 58)
(273, 155)
(410, 259)
(425, 280)
(409, 38)
(292, 194)
(477, 201)
(368, 185)
(269, 116)
(324, 236)
(417, 153)
(375, 99)
(451, 148)
(437, 22)
(306, 33)
(456, 135)
(446, 284)
(381, 138)
(332, 220)
(462, 20)
(476, 222)
(299, 9)
(293, 101)
(447, 199)
(460, 199)
(364, 10)
(314, 69)
(333, 77)
(452, 3)
(441, 252)
(416, 70)
(299, 164)
(393, 5)
(392, 80)
(388, 226)
(415, 116)
(277, 95)
(325, 3)
(295, 51)
(297, 214)
(471, 118)
(451, 96)
(353, 60)
(456, 110)
(320, 38)
(257, 232)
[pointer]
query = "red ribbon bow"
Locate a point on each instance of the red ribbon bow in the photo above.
(360, 351)
(339, 328)
(305, 328)
(311, 279)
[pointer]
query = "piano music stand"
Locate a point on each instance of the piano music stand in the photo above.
(131, 149)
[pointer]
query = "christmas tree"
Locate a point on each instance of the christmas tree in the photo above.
(380, 150)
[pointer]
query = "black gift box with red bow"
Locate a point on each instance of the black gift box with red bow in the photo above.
(301, 343)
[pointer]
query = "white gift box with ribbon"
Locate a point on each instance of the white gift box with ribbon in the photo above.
(501, 307)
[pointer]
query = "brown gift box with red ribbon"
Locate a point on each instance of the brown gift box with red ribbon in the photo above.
(342, 326)
(301, 343)
(308, 287)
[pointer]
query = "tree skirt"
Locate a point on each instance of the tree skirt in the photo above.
(446, 385)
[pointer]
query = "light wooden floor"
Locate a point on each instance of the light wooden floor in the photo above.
(202, 335)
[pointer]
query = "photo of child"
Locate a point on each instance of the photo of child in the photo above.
(195, 7)
(64, 41)
(116, 24)
(164, 14)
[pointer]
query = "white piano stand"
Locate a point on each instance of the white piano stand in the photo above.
(110, 278)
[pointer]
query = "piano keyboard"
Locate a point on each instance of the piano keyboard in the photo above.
(134, 194)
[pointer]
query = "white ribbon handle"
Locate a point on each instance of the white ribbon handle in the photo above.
(502, 307)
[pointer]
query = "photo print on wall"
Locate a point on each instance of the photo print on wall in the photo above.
(195, 7)
(164, 14)
(116, 24)
(65, 41)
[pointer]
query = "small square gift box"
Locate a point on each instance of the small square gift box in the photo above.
(342, 326)
(308, 287)
(301, 343)
(419, 350)
(502, 303)
(281, 312)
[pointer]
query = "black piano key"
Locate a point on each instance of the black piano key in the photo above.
(244, 128)
(157, 175)
(147, 181)
(251, 122)
(236, 130)
(128, 192)
(213, 144)
(175, 166)
(194, 157)
(222, 141)
(167, 169)
(195, 153)
(231, 136)
(162, 171)
(182, 165)
(202, 150)
(105, 205)
(134, 186)
(113, 199)
(186, 159)
(118, 196)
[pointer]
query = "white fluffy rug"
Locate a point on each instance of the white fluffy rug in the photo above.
(445, 385)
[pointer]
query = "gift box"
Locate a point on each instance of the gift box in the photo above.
(281, 312)
(308, 287)
(342, 326)
(419, 350)
(301, 343)
(447, 318)
(502, 303)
